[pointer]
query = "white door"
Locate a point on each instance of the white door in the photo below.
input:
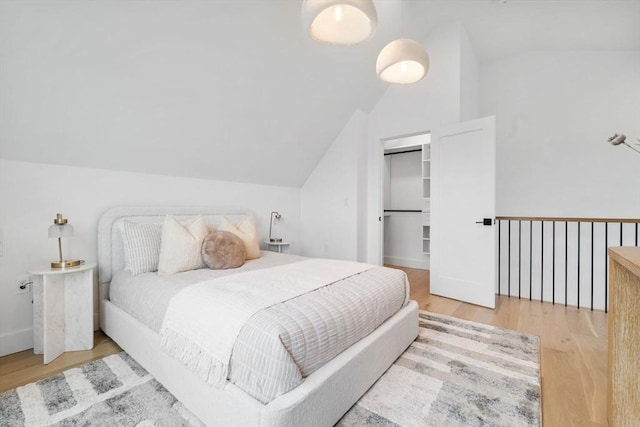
(463, 248)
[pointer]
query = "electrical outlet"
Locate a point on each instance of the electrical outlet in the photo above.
(23, 285)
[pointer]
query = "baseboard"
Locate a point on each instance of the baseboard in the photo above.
(14, 342)
(407, 262)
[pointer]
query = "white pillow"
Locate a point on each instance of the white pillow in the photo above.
(141, 244)
(180, 246)
(245, 230)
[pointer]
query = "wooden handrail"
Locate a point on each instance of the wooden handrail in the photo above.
(559, 219)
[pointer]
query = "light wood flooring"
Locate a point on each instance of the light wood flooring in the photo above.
(25, 367)
(573, 351)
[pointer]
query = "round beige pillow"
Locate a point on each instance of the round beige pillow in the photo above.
(222, 249)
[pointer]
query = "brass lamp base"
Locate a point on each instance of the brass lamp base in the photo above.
(66, 264)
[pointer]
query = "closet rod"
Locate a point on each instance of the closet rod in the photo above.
(402, 152)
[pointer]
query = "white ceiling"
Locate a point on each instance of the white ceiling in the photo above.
(232, 89)
(499, 28)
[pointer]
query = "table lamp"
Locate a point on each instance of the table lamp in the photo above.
(58, 230)
(274, 216)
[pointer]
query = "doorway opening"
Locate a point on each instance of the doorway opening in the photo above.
(406, 226)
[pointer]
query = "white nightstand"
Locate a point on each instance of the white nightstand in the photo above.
(279, 245)
(62, 310)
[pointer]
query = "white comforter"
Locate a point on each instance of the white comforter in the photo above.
(283, 344)
(203, 321)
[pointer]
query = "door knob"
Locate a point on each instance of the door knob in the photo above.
(485, 221)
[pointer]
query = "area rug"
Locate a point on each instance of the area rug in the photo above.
(456, 373)
(113, 391)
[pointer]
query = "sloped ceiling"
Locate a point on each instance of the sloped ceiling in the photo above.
(232, 89)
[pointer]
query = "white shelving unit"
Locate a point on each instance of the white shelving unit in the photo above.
(426, 199)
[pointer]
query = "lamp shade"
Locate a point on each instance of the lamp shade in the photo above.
(275, 217)
(403, 61)
(618, 139)
(342, 22)
(62, 230)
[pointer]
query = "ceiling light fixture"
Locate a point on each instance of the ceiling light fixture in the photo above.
(342, 22)
(403, 61)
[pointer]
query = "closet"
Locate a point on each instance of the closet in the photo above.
(407, 201)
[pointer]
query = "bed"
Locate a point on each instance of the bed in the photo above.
(131, 315)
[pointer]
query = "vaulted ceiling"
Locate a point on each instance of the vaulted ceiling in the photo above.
(233, 89)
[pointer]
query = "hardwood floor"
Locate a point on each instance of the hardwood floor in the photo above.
(25, 367)
(573, 351)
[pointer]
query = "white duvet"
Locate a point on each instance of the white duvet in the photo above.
(203, 321)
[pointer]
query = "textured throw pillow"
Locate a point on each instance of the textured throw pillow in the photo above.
(246, 231)
(180, 245)
(141, 243)
(222, 249)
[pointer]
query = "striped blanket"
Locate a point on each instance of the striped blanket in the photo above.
(203, 321)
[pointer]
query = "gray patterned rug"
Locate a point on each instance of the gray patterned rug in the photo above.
(456, 373)
(114, 391)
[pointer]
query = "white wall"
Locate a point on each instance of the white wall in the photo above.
(31, 194)
(469, 79)
(330, 197)
(195, 83)
(405, 181)
(363, 179)
(554, 112)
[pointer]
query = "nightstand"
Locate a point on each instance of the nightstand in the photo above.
(62, 309)
(278, 245)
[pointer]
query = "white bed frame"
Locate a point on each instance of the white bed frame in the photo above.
(321, 400)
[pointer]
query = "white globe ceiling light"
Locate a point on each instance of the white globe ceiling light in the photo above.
(343, 22)
(403, 61)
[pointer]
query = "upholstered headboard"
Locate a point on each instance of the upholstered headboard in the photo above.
(110, 248)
